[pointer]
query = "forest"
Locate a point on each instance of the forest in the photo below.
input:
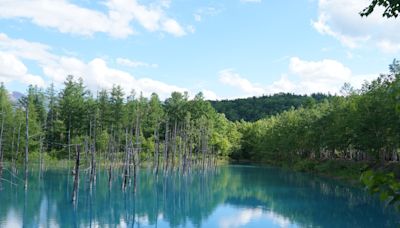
(113, 128)
(360, 125)
(255, 108)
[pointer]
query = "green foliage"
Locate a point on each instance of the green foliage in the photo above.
(392, 8)
(362, 125)
(385, 184)
(255, 108)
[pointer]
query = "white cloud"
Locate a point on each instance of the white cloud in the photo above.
(12, 69)
(197, 17)
(326, 70)
(26, 50)
(250, 1)
(242, 218)
(134, 63)
(70, 18)
(205, 12)
(388, 46)
(96, 73)
(341, 20)
(171, 26)
(303, 77)
(231, 78)
(209, 95)
(326, 75)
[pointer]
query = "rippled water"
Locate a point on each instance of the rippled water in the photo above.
(229, 196)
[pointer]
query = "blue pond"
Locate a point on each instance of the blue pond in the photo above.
(228, 196)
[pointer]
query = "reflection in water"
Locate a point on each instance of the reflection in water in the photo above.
(230, 196)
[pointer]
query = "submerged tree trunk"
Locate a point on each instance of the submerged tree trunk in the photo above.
(93, 158)
(110, 152)
(76, 175)
(126, 162)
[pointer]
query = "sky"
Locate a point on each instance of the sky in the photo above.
(225, 49)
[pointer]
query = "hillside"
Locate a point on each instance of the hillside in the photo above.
(255, 108)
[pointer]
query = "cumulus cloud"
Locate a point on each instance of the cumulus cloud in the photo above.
(209, 95)
(134, 63)
(303, 77)
(118, 21)
(234, 79)
(96, 74)
(12, 69)
(341, 20)
(250, 1)
(205, 12)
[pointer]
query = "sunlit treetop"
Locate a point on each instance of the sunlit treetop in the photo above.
(392, 8)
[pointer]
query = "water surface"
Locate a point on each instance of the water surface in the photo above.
(229, 196)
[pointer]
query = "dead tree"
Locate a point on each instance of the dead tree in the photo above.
(136, 155)
(41, 156)
(17, 147)
(126, 162)
(156, 150)
(1, 141)
(173, 146)
(26, 143)
(111, 159)
(76, 176)
(69, 142)
(93, 155)
(166, 147)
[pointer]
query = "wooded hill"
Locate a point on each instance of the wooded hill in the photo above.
(255, 108)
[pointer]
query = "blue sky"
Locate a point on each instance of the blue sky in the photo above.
(224, 48)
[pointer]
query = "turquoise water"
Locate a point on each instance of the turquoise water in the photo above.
(229, 196)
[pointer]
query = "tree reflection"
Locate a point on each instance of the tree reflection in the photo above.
(177, 200)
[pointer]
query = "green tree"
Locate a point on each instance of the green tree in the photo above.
(392, 8)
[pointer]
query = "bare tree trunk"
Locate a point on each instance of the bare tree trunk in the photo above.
(41, 156)
(76, 176)
(156, 150)
(203, 147)
(126, 162)
(12, 147)
(134, 174)
(26, 145)
(69, 143)
(1, 140)
(166, 147)
(180, 150)
(190, 155)
(17, 148)
(93, 158)
(173, 147)
(110, 152)
(183, 155)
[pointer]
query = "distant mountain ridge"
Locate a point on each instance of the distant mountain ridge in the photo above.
(15, 96)
(255, 108)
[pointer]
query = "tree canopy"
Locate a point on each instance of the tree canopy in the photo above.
(392, 8)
